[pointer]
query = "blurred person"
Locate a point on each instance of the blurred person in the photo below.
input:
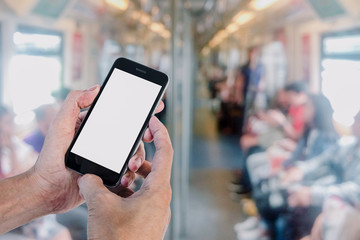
(15, 158)
(252, 75)
(293, 124)
(338, 220)
(287, 116)
(342, 162)
(266, 128)
(319, 130)
(319, 136)
(49, 187)
(215, 77)
(231, 112)
(44, 116)
(259, 136)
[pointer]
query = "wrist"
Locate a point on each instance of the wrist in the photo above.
(39, 186)
(21, 201)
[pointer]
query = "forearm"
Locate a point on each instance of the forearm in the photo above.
(21, 201)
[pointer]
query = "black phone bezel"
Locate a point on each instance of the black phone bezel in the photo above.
(83, 165)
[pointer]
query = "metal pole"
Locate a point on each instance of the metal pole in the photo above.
(187, 114)
(172, 120)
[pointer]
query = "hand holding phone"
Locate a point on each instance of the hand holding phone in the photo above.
(142, 215)
(116, 121)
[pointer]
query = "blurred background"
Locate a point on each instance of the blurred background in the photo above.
(260, 90)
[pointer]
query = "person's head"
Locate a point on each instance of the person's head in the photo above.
(282, 99)
(44, 116)
(6, 121)
(319, 113)
(297, 93)
(356, 125)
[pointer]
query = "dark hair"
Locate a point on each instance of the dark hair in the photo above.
(323, 113)
(298, 87)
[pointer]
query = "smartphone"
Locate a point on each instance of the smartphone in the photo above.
(116, 121)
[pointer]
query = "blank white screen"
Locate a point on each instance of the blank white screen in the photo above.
(116, 120)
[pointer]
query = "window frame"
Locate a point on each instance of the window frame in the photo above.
(39, 30)
(346, 56)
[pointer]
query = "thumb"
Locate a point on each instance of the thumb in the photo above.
(74, 102)
(90, 187)
(62, 129)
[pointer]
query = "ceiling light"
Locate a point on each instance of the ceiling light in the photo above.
(259, 5)
(120, 4)
(243, 17)
(233, 27)
(222, 34)
(157, 27)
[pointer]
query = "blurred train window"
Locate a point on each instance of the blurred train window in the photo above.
(35, 70)
(340, 74)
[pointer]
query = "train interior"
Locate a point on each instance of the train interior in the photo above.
(260, 91)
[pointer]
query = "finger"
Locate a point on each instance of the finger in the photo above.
(80, 119)
(162, 162)
(127, 179)
(122, 191)
(82, 115)
(145, 169)
(160, 107)
(148, 137)
(91, 186)
(75, 101)
(137, 160)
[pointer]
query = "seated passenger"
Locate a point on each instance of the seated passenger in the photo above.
(319, 135)
(341, 162)
(338, 220)
(15, 156)
(265, 128)
(44, 116)
(288, 117)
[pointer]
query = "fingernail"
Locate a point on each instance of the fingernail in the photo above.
(124, 182)
(92, 88)
(138, 162)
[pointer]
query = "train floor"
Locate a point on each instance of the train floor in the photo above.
(212, 213)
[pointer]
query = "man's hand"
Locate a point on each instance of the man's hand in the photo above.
(301, 197)
(59, 184)
(49, 187)
(144, 214)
